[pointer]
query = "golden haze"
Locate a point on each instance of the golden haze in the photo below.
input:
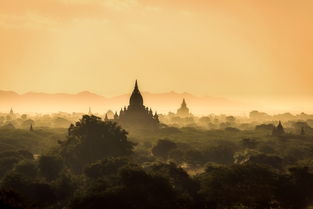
(258, 52)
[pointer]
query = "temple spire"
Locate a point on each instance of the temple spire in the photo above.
(183, 111)
(184, 103)
(278, 130)
(115, 116)
(136, 115)
(106, 117)
(136, 85)
(136, 99)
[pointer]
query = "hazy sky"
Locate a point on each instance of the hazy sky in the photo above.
(206, 47)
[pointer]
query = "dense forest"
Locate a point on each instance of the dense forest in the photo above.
(209, 162)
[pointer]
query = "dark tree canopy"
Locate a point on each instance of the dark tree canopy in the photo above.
(50, 166)
(93, 139)
(135, 189)
(163, 147)
(230, 166)
(106, 167)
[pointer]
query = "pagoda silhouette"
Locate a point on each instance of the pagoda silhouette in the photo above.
(279, 130)
(183, 111)
(137, 115)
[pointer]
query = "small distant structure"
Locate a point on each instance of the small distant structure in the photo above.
(11, 115)
(183, 111)
(156, 116)
(11, 111)
(31, 127)
(278, 130)
(106, 117)
(115, 116)
(89, 112)
(302, 133)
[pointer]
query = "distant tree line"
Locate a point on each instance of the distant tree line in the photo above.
(97, 166)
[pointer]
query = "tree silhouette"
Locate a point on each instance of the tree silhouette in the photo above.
(92, 139)
(163, 147)
(50, 166)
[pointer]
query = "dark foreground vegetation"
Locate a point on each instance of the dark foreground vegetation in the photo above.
(96, 164)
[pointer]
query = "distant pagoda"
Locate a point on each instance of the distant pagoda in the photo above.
(11, 115)
(136, 115)
(278, 130)
(183, 111)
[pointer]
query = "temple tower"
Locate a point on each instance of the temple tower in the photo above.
(136, 115)
(183, 111)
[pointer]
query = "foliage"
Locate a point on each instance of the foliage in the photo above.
(92, 139)
(50, 166)
(163, 147)
(95, 165)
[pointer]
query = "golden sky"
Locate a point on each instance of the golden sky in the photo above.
(242, 48)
